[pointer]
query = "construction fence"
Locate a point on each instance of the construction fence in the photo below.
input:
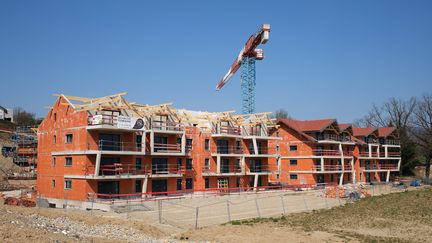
(192, 211)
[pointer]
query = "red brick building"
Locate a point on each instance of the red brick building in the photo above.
(109, 148)
(325, 152)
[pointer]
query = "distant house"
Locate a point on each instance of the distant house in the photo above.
(6, 114)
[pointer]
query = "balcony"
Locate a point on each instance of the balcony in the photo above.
(323, 169)
(228, 130)
(127, 170)
(367, 155)
(381, 167)
(332, 153)
(167, 148)
(106, 145)
(261, 151)
(229, 150)
(348, 153)
(224, 170)
(333, 167)
(266, 169)
(371, 140)
(167, 126)
(390, 142)
(102, 119)
(333, 137)
(393, 154)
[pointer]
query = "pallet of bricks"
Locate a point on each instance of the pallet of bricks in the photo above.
(346, 191)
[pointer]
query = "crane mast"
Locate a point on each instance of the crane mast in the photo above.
(246, 59)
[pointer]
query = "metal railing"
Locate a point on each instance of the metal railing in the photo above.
(366, 154)
(371, 140)
(381, 167)
(261, 150)
(229, 150)
(167, 148)
(167, 126)
(129, 169)
(107, 145)
(332, 167)
(394, 154)
(262, 168)
(391, 142)
(102, 119)
(224, 169)
(231, 130)
(322, 152)
(333, 137)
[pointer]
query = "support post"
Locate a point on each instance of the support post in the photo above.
(97, 166)
(256, 182)
(255, 145)
(160, 211)
(151, 142)
(144, 186)
(243, 165)
(388, 176)
(257, 207)
(322, 163)
(183, 143)
(283, 204)
(196, 217)
(228, 211)
(218, 164)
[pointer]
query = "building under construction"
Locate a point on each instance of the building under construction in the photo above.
(109, 148)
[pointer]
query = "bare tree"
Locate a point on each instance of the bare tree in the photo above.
(397, 113)
(394, 112)
(282, 114)
(422, 130)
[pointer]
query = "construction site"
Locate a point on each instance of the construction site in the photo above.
(106, 163)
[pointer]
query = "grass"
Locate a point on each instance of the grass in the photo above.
(397, 212)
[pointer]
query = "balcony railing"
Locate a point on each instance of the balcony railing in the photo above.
(223, 170)
(320, 152)
(230, 130)
(107, 145)
(102, 119)
(391, 142)
(371, 140)
(167, 148)
(167, 126)
(381, 167)
(261, 150)
(348, 153)
(334, 137)
(229, 150)
(332, 167)
(366, 154)
(128, 169)
(262, 168)
(394, 154)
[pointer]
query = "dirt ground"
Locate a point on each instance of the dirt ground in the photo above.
(397, 217)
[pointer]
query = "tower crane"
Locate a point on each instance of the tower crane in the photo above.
(246, 59)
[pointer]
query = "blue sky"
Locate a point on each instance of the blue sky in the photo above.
(323, 59)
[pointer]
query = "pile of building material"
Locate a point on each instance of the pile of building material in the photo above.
(17, 198)
(347, 191)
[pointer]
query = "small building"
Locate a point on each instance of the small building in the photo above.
(6, 114)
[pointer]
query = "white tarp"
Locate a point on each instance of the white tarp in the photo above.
(97, 120)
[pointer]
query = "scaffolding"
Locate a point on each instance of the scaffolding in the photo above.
(25, 150)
